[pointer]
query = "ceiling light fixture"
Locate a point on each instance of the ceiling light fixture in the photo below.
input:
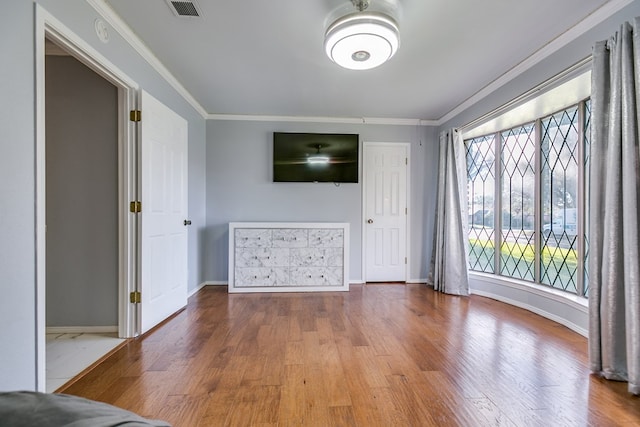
(362, 40)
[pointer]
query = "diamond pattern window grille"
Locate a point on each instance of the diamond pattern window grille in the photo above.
(480, 154)
(540, 211)
(517, 251)
(559, 198)
(587, 163)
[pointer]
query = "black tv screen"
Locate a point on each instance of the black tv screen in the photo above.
(315, 157)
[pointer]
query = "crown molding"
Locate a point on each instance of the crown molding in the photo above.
(109, 15)
(321, 119)
(544, 52)
(595, 18)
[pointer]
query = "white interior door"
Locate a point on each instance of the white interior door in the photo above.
(163, 269)
(385, 210)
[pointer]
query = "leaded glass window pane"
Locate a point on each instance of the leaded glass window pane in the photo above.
(587, 158)
(517, 251)
(481, 191)
(559, 200)
(536, 197)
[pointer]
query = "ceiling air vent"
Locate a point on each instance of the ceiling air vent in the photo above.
(184, 8)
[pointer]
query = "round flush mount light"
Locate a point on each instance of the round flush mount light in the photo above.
(362, 40)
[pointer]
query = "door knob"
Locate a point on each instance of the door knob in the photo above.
(370, 221)
(187, 222)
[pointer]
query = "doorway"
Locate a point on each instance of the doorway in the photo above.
(81, 163)
(118, 257)
(81, 195)
(151, 171)
(386, 211)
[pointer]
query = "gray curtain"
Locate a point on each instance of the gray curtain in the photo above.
(449, 260)
(614, 208)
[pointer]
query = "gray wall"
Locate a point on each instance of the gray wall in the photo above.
(17, 170)
(17, 215)
(82, 195)
(240, 188)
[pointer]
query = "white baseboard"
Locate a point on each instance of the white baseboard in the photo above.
(196, 289)
(216, 283)
(566, 309)
(351, 282)
(81, 329)
(362, 282)
(561, 320)
(202, 285)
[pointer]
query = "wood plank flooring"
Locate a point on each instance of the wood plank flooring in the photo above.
(379, 355)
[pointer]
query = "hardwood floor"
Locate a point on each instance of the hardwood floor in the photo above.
(379, 355)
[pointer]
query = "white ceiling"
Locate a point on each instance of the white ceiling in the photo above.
(267, 57)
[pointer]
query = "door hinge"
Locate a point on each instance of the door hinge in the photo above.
(405, 260)
(406, 160)
(406, 211)
(135, 207)
(135, 297)
(135, 115)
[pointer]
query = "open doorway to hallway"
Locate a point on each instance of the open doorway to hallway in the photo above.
(82, 247)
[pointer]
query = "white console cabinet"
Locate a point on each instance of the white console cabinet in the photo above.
(288, 257)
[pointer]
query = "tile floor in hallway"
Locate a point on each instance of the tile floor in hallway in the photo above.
(68, 354)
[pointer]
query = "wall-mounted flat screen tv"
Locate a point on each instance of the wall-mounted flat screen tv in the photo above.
(315, 157)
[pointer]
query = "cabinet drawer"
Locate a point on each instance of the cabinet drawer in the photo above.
(326, 238)
(261, 276)
(316, 257)
(316, 276)
(262, 257)
(290, 238)
(252, 238)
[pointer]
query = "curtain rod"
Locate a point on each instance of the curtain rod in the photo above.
(561, 77)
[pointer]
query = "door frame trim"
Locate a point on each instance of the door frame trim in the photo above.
(407, 145)
(46, 25)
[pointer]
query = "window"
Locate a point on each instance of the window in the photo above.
(481, 173)
(517, 148)
(559, 200)
(540, 168)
